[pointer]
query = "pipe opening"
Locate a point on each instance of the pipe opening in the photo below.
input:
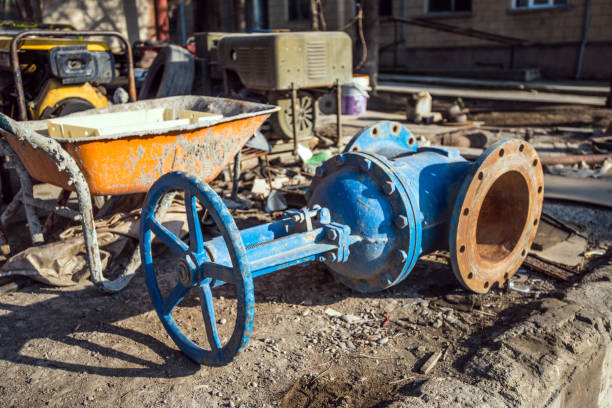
(502, 217)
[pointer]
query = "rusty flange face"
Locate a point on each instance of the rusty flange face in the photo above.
(496, 215)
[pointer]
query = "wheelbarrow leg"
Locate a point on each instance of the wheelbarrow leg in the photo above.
(26, 190)
(236, 176)
(134, 263)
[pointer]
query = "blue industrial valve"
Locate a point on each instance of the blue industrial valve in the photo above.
(372, 211)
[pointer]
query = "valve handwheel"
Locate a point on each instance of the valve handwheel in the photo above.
(196, 270)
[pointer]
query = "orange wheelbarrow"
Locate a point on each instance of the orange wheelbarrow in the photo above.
(106, 152)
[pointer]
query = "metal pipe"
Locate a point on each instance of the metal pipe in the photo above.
(182, 22)
(162, 22)
(338, 114)
(18, 80)
(568, 160)
(585, 35)
(294, 117)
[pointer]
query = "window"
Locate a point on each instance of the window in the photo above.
(385, 8)
(528, 4)
(299, 10)
(446, 6)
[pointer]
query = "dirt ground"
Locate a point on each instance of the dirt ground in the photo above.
(315, 342)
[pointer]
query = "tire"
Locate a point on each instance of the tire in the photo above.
(170, 74)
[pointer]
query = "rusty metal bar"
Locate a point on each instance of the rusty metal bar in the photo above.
(25, 190)
(467, 32)
(236, 178)
(61, 201)
(338, 114)
(294, 116)
(567, 160)
(17, 78)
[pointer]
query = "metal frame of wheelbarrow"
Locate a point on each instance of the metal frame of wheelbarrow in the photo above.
(85, 215)
(76, 180)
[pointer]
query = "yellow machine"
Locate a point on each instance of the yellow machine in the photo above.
(59, 75)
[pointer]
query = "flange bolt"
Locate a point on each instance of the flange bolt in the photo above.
(331, 234)
(320, 171)
(339, 160)
(401, 221)
(365, 165)
(402, 256)
(388, 187)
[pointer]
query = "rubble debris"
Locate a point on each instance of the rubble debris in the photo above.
(560, 242)
(304, 153)
(260, 187)
(431, 362)
(418, 107)
(275, 202)
(333, 313)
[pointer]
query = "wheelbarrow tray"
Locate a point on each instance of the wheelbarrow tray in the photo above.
(130, 162)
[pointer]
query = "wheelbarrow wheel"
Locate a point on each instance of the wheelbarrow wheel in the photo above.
(195, 269)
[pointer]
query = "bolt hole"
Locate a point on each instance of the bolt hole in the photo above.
(535, 222)
(523, 252)
(535, 162)
(470, 275)
(506, 276)
(521, 148)
(466, 211)
(411, 141)
(375, 131)
(462, 249)
(354, 149)
(486, 284)
(480, 175)
(539, 189)
(395, 128)
(501, 153)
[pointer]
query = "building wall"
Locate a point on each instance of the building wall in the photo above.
(135, 18)
(555, 33)
(337, 13)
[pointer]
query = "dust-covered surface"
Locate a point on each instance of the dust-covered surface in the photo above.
(68, 347)
(318, 344)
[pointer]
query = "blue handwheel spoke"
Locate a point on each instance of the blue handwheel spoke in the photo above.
(196, 241)
(208, 311)
(176, 245)
(174, 298)
(218, 272)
